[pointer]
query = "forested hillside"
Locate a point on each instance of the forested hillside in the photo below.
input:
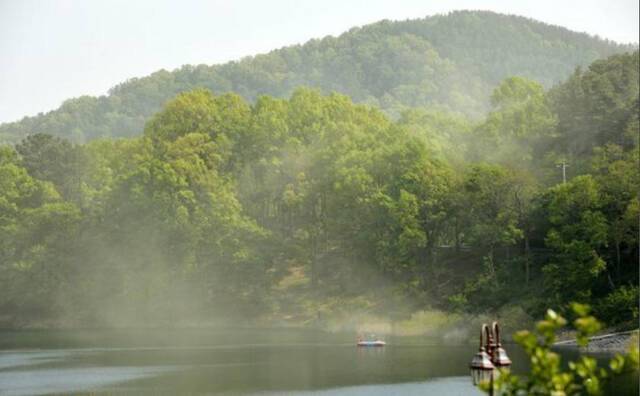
(301, 208)
(450, 62)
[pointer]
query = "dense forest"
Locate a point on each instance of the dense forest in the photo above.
(300, 208)
(447, 62)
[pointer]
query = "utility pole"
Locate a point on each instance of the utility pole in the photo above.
(563, 165)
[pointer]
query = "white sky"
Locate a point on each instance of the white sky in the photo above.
(53, 50)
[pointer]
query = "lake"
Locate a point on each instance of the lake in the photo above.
(238, 362)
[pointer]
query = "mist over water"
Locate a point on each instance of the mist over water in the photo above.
(236, 361)
(234, 229)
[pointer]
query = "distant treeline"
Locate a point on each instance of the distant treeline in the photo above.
(449, 62)
(226, 209)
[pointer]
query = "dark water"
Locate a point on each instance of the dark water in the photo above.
(238, 361)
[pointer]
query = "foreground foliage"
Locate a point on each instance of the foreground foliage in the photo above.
(547, 376)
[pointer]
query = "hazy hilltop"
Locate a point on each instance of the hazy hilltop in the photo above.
(450, 62)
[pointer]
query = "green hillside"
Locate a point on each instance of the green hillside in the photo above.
(312, 208)
(451, 62)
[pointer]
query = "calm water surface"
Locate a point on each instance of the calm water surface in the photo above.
(236, 362)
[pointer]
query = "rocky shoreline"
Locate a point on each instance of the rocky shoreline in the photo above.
(613, 342)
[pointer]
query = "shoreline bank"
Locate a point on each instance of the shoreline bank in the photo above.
(612, 342)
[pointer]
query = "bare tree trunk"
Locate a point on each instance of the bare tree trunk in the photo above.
(618, 261)
(492, 268)
(424, 262)
(457, 236)
(314, 264)
(611, 284)
(527, 260)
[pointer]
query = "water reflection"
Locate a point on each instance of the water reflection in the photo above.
(8, 360)
(244, 361)
(51, 381)
(451, 386)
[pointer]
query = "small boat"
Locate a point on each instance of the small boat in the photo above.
(376, 343)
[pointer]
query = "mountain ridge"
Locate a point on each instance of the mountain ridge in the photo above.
(448, 61)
